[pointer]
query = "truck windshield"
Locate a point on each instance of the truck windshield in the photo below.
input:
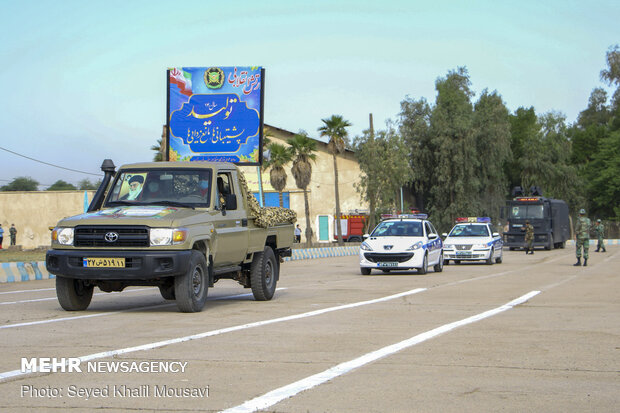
(173, 187)
(469, 230)
(398, 229)
(527, 212)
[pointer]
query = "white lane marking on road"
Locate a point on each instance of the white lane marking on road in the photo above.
(16, 373)
(150, 307)
(27, 291)
(277, 395)
(54, 298)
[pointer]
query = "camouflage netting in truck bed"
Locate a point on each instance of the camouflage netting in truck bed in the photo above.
(266, 216)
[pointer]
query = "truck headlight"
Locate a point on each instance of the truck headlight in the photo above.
(364, 246)
(167, 236)
(415, 246)
(63, 236)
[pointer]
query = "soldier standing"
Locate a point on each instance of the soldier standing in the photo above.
(13, 234)
(529, 237)
(582, 235)
(599, 230)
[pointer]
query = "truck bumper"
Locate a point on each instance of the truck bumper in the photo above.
(139, 265)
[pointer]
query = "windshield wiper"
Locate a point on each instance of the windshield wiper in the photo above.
(112, 203)
(169, 203)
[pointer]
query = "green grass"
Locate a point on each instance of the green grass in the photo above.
(24, 256)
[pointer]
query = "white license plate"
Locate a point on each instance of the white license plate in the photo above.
(463, 254)
(388, 264)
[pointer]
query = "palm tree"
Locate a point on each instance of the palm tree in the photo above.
(303, 148)
(280, 156)
(158, 157)
(335, 129)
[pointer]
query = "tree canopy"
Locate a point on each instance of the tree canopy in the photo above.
(22, 183)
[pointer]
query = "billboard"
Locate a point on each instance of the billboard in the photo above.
(215, 114)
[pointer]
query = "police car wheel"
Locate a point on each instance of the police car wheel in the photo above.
(424, 268)
(365, 271)
(498, 260)
(489, 261)
(439, 266)
(457, 261)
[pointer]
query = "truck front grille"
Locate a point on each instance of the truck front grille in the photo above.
(111, 236)
(379, 257)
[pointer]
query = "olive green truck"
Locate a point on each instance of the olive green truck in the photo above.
(179, 226)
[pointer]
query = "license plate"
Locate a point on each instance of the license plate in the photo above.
(104, 262)
(388, 264)
(463, 254)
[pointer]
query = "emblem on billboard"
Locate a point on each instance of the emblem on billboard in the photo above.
(214, 77)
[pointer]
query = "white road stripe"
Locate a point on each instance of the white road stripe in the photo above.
(16, 373)
(150, 307)
(54, 298)
(277, 395)
(27, 291)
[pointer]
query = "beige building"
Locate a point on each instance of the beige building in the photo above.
(34, 212)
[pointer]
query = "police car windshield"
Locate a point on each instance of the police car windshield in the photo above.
(398, 229)
(177, 187)
(469, 230)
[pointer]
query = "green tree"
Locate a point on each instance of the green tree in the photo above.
(61, 185)
(527, 167)
(453, 142)
(280, 156)
(87, 185)
(157, 157)
(414, 127)
(384, 161)
(303, 150)
(335, 128)
(492, 139)
(22, 183)
(604, 177)
(611, 74)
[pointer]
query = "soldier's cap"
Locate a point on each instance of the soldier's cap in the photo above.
(527, 221)
(582, 211)
(598, 220)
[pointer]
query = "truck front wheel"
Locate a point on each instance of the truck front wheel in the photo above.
(190, 289)
(73, 295)
(264, 275)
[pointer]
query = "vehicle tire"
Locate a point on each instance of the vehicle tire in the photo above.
(446, 262)
(457, 262)
(424, 268)
(264, 275)
(73, 295)
(386, 271)
(489, 261)
(355, 239)
(191, 288)
(439, 266)
(512, 248)
(365, 271)
(499, 259)
(563, 244)
(167, 292)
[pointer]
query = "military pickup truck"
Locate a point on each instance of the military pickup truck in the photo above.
(179, 226)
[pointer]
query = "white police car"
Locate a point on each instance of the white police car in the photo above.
(402, 242)
(473, 239)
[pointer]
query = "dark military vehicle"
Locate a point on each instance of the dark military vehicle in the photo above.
(549, 217)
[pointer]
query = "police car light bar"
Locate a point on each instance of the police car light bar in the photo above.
(414, 216)
(485, 220)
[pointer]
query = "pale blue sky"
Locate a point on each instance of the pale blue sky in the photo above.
(86, 80)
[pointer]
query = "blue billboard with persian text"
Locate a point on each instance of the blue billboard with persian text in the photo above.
(215, 114)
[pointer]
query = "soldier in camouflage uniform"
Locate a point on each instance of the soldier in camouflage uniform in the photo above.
(529, 238)
(582, 235)
(599, 230)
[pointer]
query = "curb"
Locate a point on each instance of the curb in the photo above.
(593, 242)
(23, 271)
(30, 271)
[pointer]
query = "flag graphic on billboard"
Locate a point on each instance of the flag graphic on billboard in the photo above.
(215, 114)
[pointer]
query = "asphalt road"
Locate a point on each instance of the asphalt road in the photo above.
(531, 334)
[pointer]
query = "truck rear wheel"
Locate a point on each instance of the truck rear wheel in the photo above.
(191, 288)
(264, 275)
(73, 295)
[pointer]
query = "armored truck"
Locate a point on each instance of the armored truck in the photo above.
(548, 216)
(179, 226)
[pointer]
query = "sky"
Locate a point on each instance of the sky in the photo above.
(82, 81)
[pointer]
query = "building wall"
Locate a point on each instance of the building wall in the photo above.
(34, 212)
